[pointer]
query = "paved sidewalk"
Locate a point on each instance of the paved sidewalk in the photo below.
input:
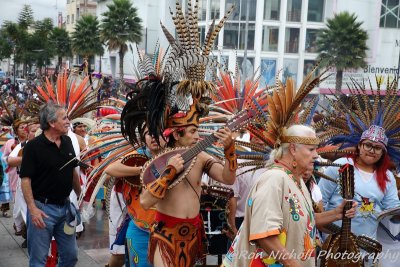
(11, 253)
(93, 244)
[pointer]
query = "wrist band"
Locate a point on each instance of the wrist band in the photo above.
(230, 156)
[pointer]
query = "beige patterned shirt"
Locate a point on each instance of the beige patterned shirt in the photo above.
(275, 206)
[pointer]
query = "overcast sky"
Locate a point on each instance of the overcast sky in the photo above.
(10, 9)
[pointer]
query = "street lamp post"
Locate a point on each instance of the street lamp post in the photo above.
(14, 72)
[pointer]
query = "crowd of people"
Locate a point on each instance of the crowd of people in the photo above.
(176, 138)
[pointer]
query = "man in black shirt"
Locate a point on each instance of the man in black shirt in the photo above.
(47, 181)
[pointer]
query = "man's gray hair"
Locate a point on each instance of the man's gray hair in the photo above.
(47, 114)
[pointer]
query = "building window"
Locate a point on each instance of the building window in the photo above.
(202, 34)
(252, 9)
(214, 9)
(231, 35)
(67, 19)
(72, 18)
(292, 40)
(202, 9)
(272, 9)
(390, 14)
(236, 12)
(308, 67)
(235, 29)
(268, 72)
(270, 38)
(239, 13)
(225, 61)
(311, 40)
(67, 1)
(77, 14)
(250, 36)
(234, 35)
(289, 69)
(315, 10)
(246, 69)
(293, 10)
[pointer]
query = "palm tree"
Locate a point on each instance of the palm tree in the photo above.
(342, 45)
(86, 37)
(120, 25)
(16, 38)
(61, 43)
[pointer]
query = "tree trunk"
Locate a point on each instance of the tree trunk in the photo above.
(339, 81)
(121, 66)
(100, 63)
(24, 68)
(59, 64)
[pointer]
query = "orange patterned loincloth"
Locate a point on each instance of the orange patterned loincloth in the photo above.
(179, 240)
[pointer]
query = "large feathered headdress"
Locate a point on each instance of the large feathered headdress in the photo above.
(183, 94)
(14, 116)
(284, 106)
(187, 53)
(359, 118)
(136, 112)
(229, 100)
(69, 91)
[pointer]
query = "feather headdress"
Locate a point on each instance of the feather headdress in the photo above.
(181, 96)
(69, 91)
(283, 107)
(187, 54)
(147, 101)
(134, 114)
(230, 99)
(14, 116)
(364, 117)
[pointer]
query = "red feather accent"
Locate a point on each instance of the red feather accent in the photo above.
(43, 93)
(50, 90)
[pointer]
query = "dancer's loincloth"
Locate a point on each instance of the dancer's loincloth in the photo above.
(179, 240)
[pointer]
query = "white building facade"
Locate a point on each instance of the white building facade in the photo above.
(75, 9)
(150, 13)
(281, 35)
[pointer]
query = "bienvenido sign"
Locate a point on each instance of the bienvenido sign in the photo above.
(382, 73)
(381, 70)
